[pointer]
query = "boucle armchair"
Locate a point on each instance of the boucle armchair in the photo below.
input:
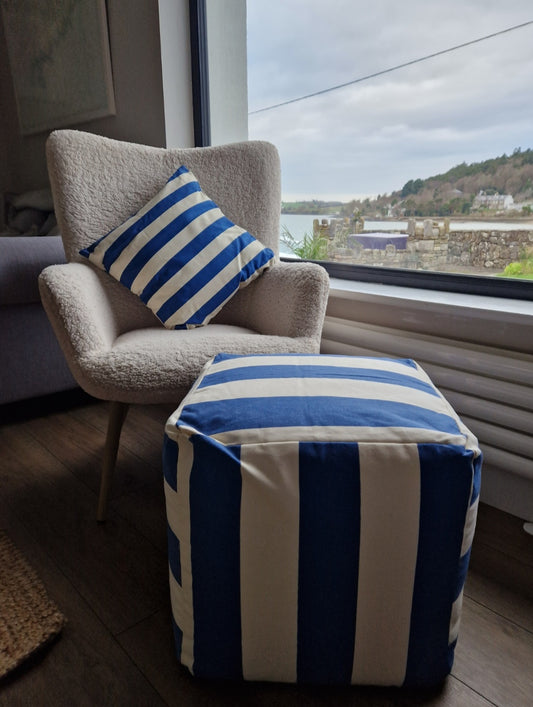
(116, 348)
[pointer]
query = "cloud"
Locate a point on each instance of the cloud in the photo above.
(372, 136)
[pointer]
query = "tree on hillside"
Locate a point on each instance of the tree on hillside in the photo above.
(413, 186)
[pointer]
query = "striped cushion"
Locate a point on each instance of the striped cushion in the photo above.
(180, 254)
(325, 507)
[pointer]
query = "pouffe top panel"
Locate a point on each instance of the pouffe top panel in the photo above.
(306, 397)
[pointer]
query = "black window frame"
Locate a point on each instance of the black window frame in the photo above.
(494, 286)
(200, 72)
(489, 286)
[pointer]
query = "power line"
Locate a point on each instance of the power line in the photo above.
(388, 71)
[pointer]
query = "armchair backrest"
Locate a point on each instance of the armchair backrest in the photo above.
(98, 182)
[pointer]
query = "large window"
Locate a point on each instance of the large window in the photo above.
(406, 136)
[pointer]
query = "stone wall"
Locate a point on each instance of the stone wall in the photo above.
(488, 249)
(429, 246)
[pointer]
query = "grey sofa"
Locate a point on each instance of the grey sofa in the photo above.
(31, 362)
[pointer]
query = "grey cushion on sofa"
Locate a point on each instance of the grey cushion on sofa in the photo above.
(31, 362)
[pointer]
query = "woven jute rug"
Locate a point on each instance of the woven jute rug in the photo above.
(28, 617)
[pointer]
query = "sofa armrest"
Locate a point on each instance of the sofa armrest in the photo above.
(289, 299)
(21, 260)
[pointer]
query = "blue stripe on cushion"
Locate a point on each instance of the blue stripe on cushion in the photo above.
(315, 371)
(158, 241)
(215, 496)
(222, 295)
(183, 256)
(204, 276)
(87, 251)
(255, 264)
(214, 417)
(328, 561)
(215, 301)
(446, 480)
(174, 559)
(170, 462)
(181, 170)
(125, 238)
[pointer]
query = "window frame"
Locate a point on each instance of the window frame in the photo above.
(491, 286)
(199, 72)
(505, 288)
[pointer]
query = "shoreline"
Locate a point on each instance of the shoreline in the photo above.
(499, 218)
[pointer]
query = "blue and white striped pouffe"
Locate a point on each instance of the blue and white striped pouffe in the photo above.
(321, 511)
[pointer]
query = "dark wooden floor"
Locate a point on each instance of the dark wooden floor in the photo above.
(111, 580)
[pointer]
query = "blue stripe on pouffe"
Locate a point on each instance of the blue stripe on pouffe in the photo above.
(217, 416)
(215, 493)
(446, 480)
(328, 561)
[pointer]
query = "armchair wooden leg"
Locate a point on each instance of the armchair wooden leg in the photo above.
(117, 415)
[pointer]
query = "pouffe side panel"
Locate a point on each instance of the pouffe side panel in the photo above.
(466, 547)
(203, 491)
(347, 616)
(449, 479)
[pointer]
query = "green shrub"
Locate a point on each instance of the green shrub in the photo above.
(523, 268)
(513, 270)
(310, 248)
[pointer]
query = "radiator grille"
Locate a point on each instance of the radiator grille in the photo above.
(491, 387)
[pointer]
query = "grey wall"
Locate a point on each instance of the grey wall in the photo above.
(136, 55)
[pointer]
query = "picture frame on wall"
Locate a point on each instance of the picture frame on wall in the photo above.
(60, 62)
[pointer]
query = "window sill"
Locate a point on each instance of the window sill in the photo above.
(480, 319)
(497, 306)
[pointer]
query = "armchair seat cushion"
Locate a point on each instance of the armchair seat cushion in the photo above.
(155, 365)
(123, 353)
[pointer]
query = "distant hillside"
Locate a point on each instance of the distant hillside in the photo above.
(453, 192)
(448, 194)
(311, 207)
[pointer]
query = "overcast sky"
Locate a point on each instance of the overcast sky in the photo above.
(371, 137)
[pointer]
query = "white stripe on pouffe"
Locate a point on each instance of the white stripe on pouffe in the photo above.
(376, 435)
(390, 501)
(470, 527)
(224, 362)
(269, 561)
(455, 618)
(315, 387)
